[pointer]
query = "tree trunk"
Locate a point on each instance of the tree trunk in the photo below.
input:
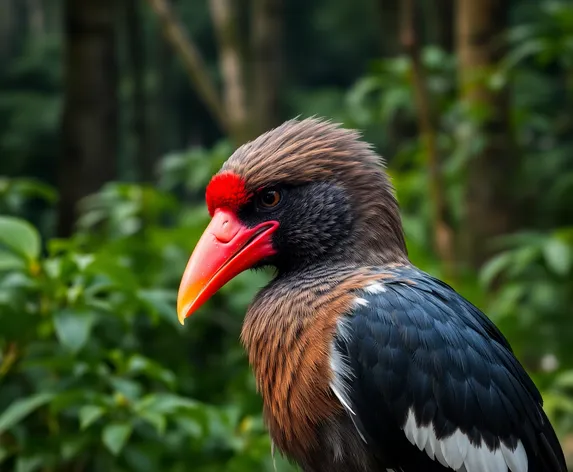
(489, 200)
(233, 71)
(444, 24)
(389, 16)
(266, 49)
(36, 17)
(136, 56)
(6, 28)
(13, 28)
(160, 119)
(443, 239)
(89, 128)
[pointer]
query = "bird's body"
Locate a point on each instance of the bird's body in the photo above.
(420, 379)
(364, 362)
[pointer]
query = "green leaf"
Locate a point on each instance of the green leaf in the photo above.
(29, 464)
(35, 188)
(139, 364)
(558, 256)
(494, 268)
(89, 414)
(161, 302)
(156, 420)
(69, 398)
(19, 409)
(122, 277)
(19, 236)
(191, 426)
(115, 436)
(10, 261)
(127, 387)
(565, 379)
(73, 328)
(72, 446)
(164, 403)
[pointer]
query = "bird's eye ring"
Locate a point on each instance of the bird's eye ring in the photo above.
(269, 198)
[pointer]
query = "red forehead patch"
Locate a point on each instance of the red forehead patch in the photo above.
(226, 190)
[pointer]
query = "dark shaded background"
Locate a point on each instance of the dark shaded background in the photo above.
(115, 113)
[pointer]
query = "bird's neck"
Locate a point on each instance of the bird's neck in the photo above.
(353, 256)
(288, 333)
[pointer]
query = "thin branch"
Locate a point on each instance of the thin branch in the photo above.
(192, 61)
(267, 60)
(443, 236)
(139, 120)
(232, 67)
(494, 209)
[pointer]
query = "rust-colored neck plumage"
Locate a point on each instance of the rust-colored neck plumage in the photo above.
(287, 333)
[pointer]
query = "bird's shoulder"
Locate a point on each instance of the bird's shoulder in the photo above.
(414, 357)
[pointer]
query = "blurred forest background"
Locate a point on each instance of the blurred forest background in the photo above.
(115, 113)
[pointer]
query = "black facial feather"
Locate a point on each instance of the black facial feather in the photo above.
(315, 224)
(303, 153)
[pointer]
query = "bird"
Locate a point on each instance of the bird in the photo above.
(364, 362)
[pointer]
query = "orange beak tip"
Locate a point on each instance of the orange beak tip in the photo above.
(226, 248)
(183, 312)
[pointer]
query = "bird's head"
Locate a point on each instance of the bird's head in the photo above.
(308, 192)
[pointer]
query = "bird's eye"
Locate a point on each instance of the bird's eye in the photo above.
(269, 198)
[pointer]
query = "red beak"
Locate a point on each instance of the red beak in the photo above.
(226, 248)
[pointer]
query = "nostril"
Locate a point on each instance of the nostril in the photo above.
(226, 231)
(224, 226)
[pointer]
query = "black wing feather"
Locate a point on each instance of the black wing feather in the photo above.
(421, 345)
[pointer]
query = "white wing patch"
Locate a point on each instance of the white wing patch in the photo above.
(458, 453)
(342, 375)
(375, 288)
(358, 301)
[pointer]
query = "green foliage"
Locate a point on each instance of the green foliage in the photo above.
(535, 271)
(30, 107)
(94, 367)
(533, 277)
(20, 238)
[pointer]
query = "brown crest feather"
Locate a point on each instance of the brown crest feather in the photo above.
(314, 150)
